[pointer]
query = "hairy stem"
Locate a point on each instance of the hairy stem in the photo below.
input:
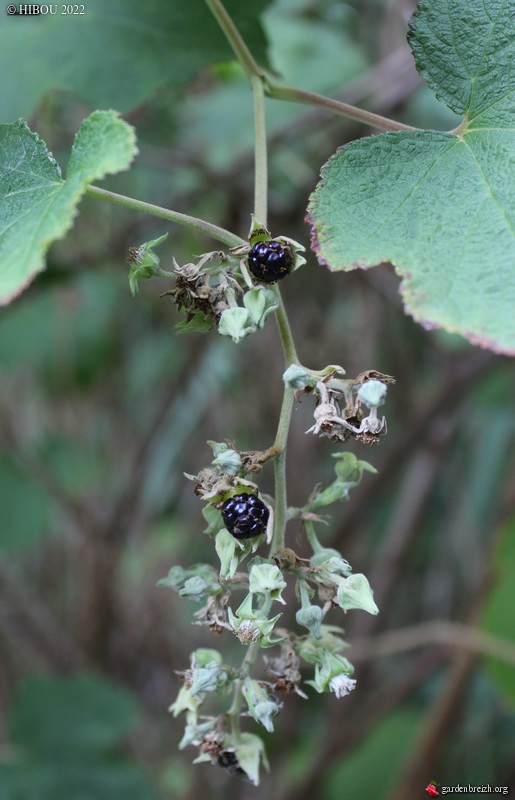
(260, 152)
(259, 85)
(232, 34)
(290, 353)
(220, 234)
(281, 501)
(312, 537)
(279, 92)
(290, 357)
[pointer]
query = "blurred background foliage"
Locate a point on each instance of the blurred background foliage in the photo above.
(103, 407)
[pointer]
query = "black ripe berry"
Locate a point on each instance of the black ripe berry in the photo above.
(245, 516)
(229, 760)
(270, 261)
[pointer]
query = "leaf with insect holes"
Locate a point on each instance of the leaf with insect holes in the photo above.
(439, 206)
(38, 207)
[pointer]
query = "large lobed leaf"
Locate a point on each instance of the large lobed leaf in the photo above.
(38, 207)
(439, 206)
(117, 53)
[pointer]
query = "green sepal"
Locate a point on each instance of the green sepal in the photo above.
(350, 469)
(355, 592)
(250, 752)
(213, 518)
(229, 552)
(178, 576)
(260, 706)
(185, 702)
(229, 461)
(267, 580)
(236, 323)
(144, 262)
(260, 302)
(258, 232)
(197, 589)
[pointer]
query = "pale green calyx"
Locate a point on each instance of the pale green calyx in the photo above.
(373, 393)
(260, 706)
(236, 323)
(211, 678)
(350, 469)
(260, 302)
(229, 551)
(329, 559)
(144, 262)
(185, 702)
(194, 732)
(250, 753)
(197, 589)
(296, 250)
(228, 461)
(217, 447)
(252, 625)
(267, 580)
(297, 377)
(178, 577)
(355, 592)
(311, 617)
(331, 667)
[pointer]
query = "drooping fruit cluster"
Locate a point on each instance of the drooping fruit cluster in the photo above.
(245, 515)
(270, 261)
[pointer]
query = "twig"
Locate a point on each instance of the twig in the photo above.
(441, 632)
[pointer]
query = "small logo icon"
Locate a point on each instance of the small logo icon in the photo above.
(432, 790)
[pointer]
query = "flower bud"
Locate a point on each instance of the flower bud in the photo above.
(267, 579)
(211, 678)
(311, 617)
(355, 592)
(196, 588)
(260, 706)
(144, 262)
(373, 393)
(237, 323)
(229, 461)
(260, 302)
(297, 377)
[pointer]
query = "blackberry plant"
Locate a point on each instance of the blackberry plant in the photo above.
(384, 197)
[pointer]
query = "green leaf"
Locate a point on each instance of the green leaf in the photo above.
(117, 53)
(439, 206)
(38, 207)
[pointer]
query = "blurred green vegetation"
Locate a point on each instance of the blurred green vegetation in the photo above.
(103, 408)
